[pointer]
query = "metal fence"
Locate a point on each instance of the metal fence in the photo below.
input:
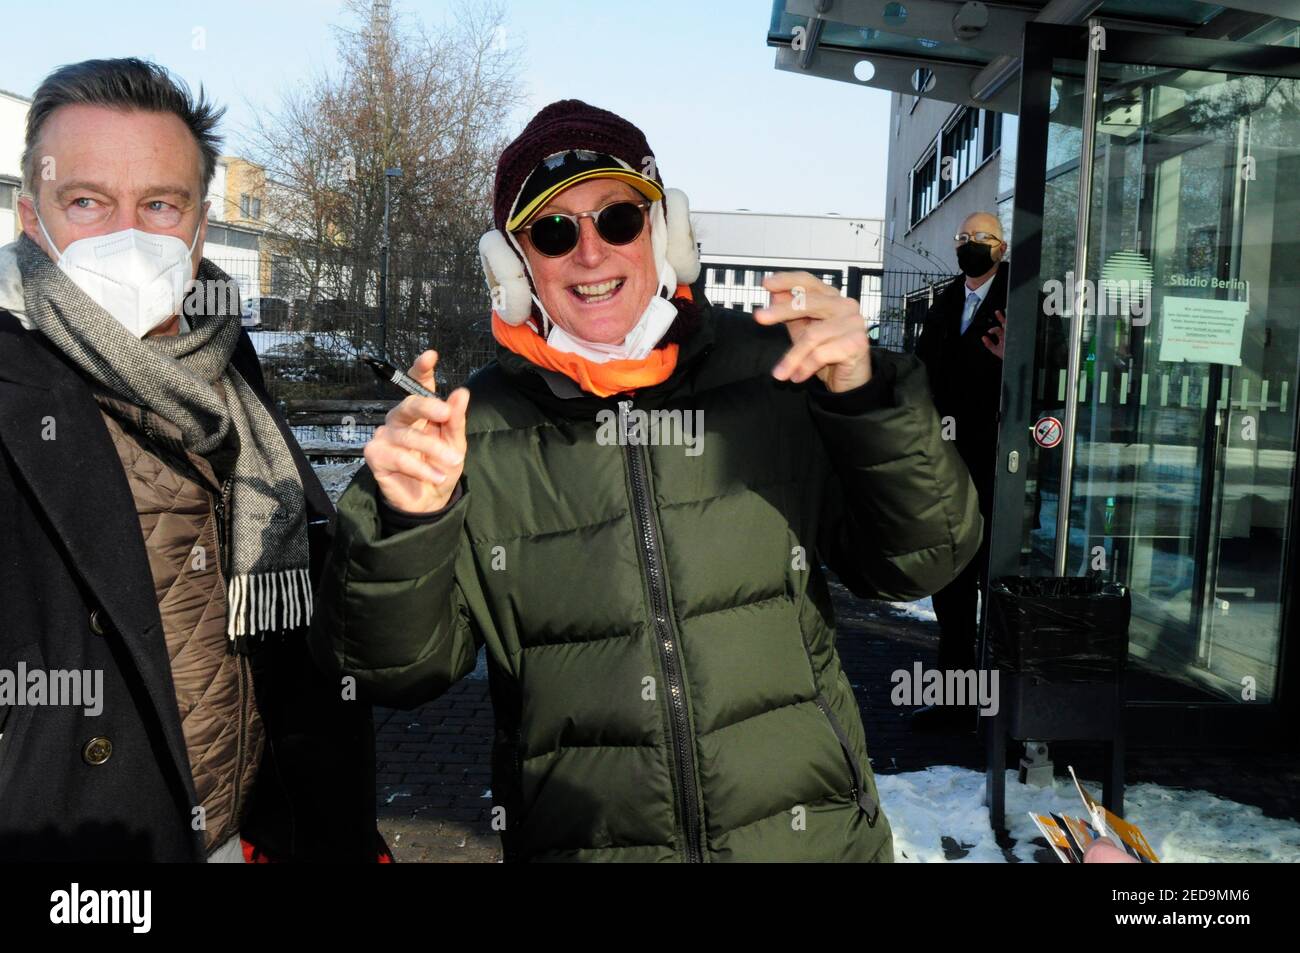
(309, 337)
(309, 344)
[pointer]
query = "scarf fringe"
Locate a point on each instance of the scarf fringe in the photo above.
(260, 604)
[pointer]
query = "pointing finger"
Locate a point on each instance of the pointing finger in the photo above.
(458, 405)
(422, 369)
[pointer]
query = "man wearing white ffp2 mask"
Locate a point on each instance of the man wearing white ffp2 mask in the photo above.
(169, 526)
(140, 278)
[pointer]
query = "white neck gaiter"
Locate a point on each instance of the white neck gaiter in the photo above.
(653, 324)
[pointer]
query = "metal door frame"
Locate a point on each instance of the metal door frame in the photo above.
(1226, 722)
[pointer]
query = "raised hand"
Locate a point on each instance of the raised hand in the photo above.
(828, 333)
(418, 454)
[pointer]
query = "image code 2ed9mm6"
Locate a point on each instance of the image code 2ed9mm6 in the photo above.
(1144, 896)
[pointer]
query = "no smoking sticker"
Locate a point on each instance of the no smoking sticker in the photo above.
(1048, 432)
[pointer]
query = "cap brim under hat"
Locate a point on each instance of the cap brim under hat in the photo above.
(646, 186)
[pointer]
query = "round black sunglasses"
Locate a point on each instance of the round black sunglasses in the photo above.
(556, 234)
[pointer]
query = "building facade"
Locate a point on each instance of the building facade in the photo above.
(236, 241)
(945, 162)
(1148, 422)
(739, 248)
(13, 123)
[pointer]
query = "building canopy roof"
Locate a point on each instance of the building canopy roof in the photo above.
(969, 52)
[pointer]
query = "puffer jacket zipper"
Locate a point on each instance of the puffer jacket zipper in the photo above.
(668, 647)
(864, 800)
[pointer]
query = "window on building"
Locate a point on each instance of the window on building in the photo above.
(257, 209)
(924, 177)
(8, 196)
(969, 138)
(243, 206)
(1008, 130)
(959, 145)
(992, 123)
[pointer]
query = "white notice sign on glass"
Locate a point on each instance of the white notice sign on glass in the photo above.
(1201, 329)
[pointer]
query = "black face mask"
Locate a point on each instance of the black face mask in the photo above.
(974, 259)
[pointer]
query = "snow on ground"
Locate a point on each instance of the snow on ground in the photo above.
(1182, 826)
(322, 440)
(293, 343)
(943, 801)
(336, 477)
(922, 609)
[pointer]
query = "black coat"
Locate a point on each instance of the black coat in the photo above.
(70, 547)
(965, 377)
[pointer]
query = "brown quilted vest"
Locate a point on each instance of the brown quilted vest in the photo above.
(175, 493)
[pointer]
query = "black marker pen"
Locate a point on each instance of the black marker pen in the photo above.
(386, 372)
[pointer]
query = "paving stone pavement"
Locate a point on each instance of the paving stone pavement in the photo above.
(434, 777)
(434, 762)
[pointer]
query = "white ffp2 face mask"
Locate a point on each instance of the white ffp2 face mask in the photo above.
(140, 278)
(650, 328)
(640, 341)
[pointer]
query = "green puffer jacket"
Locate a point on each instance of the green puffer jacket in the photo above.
(659, 634)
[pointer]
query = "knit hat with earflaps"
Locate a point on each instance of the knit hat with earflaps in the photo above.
(606, 146)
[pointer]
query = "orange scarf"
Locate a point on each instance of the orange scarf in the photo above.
(603, 380)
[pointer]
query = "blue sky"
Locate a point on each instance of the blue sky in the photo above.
(695, 75)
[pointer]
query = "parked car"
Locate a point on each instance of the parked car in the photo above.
(267, 313)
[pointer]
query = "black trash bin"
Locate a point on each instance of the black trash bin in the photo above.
(1060, 645)
(1059, 629)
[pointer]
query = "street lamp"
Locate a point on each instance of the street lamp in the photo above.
(389, 175)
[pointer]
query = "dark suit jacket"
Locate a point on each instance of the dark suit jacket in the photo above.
(70, 544)
(965, 377)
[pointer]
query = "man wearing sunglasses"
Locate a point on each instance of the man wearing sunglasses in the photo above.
(961, 345)
(657, 625)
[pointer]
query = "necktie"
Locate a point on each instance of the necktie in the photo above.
(968, 313)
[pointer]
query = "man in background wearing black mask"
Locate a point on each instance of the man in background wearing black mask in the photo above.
(961, 345)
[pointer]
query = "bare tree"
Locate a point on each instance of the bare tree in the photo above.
(434, 104)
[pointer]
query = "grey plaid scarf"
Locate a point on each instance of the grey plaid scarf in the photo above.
(268, 584)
